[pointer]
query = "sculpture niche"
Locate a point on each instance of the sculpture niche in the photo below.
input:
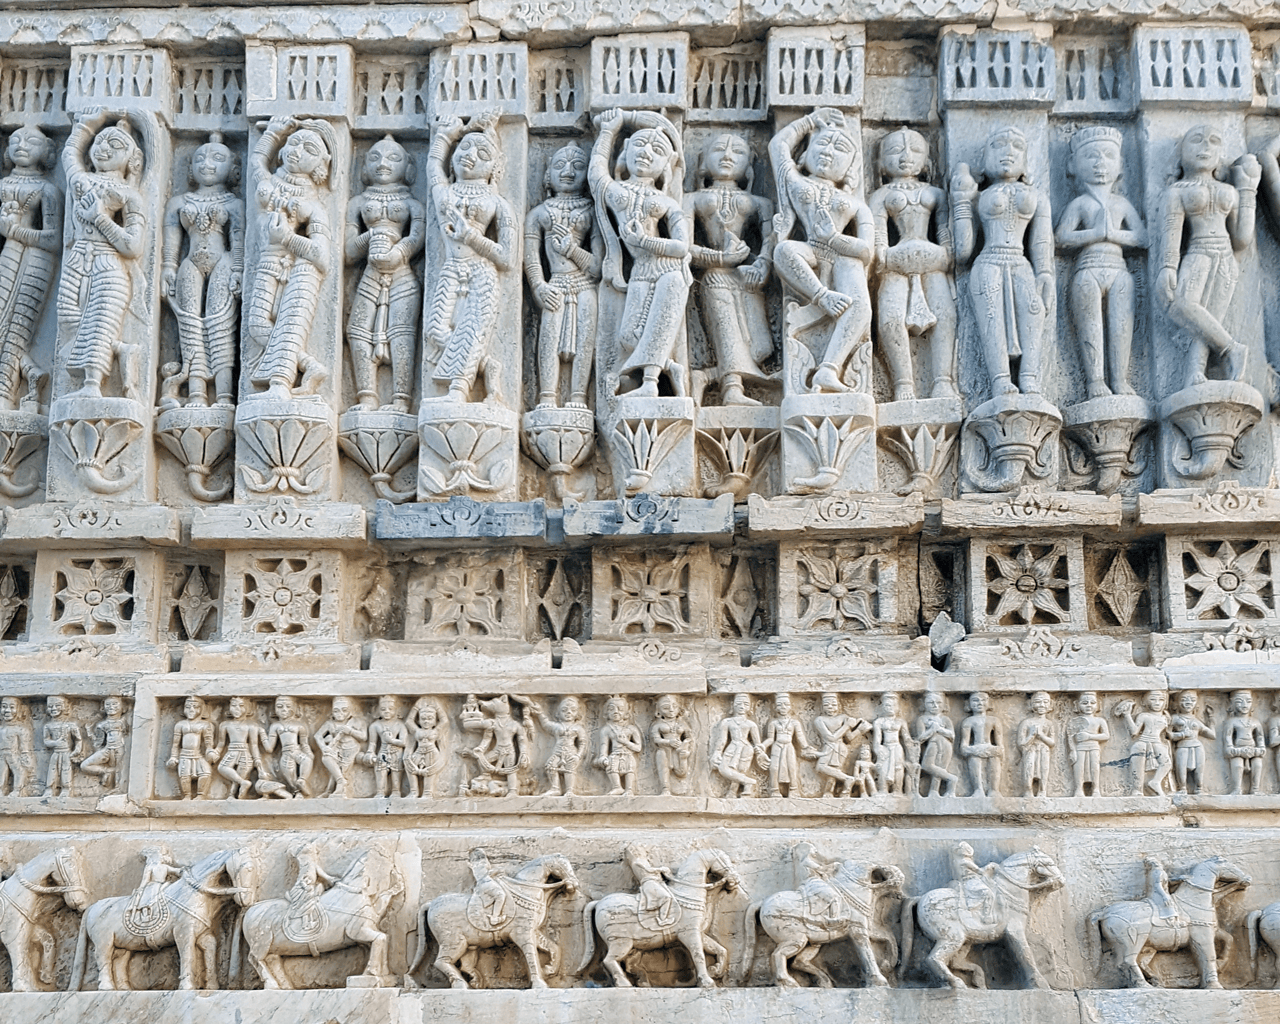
(1013, 435)
(31, 225)
(284, 424)
(1206, 419)
(465, 421)
(103, 319)
(828, 412)
(386, 227)
(560, 436)
(202, 288)
(642, 363)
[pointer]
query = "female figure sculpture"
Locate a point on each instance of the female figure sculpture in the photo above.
(1012, 296)
(1198, 284)
(382, 325)
(108, 236)
(31, 224)
(731, 287)
(294, 260)
(658, 288)
(465, 306)
(830, 267)
(203, 287)
(916, 294)
(564, 226)
(426, 726)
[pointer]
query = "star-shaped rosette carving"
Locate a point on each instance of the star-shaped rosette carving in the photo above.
(285, 597)
(1026, 584)
(93, 597)
(650, 597)
(839, 590)
(466, 599)
(1228, 580)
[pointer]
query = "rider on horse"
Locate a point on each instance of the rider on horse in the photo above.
(656, 900)
(973, 883)
(1158, 888)
(491, 894)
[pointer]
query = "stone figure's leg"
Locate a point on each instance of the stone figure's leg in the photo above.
(963, 961)
(618, 947)
(585, 336)
(986, 289)
(1120, 316)
(549, 357)
(851, 328)
(940, 295)
(895, 342)
(1086, 312)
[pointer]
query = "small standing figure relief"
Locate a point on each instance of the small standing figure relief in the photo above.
(916, 295)
(382, 324)
(203, 287)
(31, 225)
(658, 288)
(339, 740)
(240, 751)
(388, 742)
(735, 743)
(17, 746)
(672, 741)
(891, 740)
(295, 257)
(564, 227)
(1198, 284)
(466, 306)
(193, 750)
(936, 736)
(426, 760)
(618, 745)
(1273, 731)
(1186, 732)
(107, 760)
(1101, 223)
(1245, 743)
(1149, 751)
(570, 737)
(1086, 733)
(835, 731)
(783, 738)
(864, 773)
(63, 740)
(731, 288)
(100, 273)
(290, 731)
(982, 746)
(504, 749)
(1013, 297)
(1036, 741)
(829, 268)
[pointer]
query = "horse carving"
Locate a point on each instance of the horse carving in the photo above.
(1185, 917)
(347, 914)
(504, 910)
(628, 926)
(182, 913)
(992, 907)
(27, 896)
(1264, 926)
(838, 901)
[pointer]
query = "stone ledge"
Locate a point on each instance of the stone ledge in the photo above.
(833, 516)
(1228, 506)
(98, 524)
(648, 515)
(446, 523)
(276, 522)
(1028, 510)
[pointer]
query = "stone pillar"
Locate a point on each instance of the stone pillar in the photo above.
(468, 419)
(108, 300)
(991, 80)
(1191, 75)
(291, 368)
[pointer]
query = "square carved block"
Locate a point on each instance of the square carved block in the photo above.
(475, 594)
(1194, 64)
(641, 70)
(305, 81)
(811, 67)
(104, 596)
(990, 67)
(34, 92)
(727, 84)
(121, 78)
(209, 95)
(1015, 583)
(663, 592)
(846, 587)
(558, 87)
(392, 94)
(294, 595)
(1214, 581)
(1095, 75)
(469, 78)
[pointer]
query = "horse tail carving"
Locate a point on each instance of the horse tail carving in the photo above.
(908, 922)
(422, 939)
(1252, 929)
(82, 950)
(588, 927)
(1093, 937)
(233, 966)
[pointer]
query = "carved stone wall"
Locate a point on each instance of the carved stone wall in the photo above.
(502, 503)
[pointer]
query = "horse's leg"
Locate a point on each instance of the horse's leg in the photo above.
(806, 961)
(552, 951)
(867, 955)
(784, 950)
(448, 956)
(1203, 945)
(104, 952)
(367, 935)
(718, 952)
(1227, 941)
(1016, 937)
(275, 968)
(1142, 966)
(120, 968)
(617, 948)
(631, 965)
(939, 959)
(962, 962)
(208, 946)
(44, 937)
(527, 940)
(185, 943)
(691, 938)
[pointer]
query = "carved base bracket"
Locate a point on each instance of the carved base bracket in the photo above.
(466, 448)
(735, 443)
(1204, 425)
(824, 443)
(922, 436)
(200, 439)
(285, 445)
(1007, 440)
(652, 443)
(560, 441)
(94, 435)
(381, 442)
(22, 434)
(1107, 430)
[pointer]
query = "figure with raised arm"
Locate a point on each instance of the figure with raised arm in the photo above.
(1185, 732)
(426, 725)
(835, 731)
(108, 759)
(735, 744)
(338, 739)
(570, 737)
(1149, 751)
